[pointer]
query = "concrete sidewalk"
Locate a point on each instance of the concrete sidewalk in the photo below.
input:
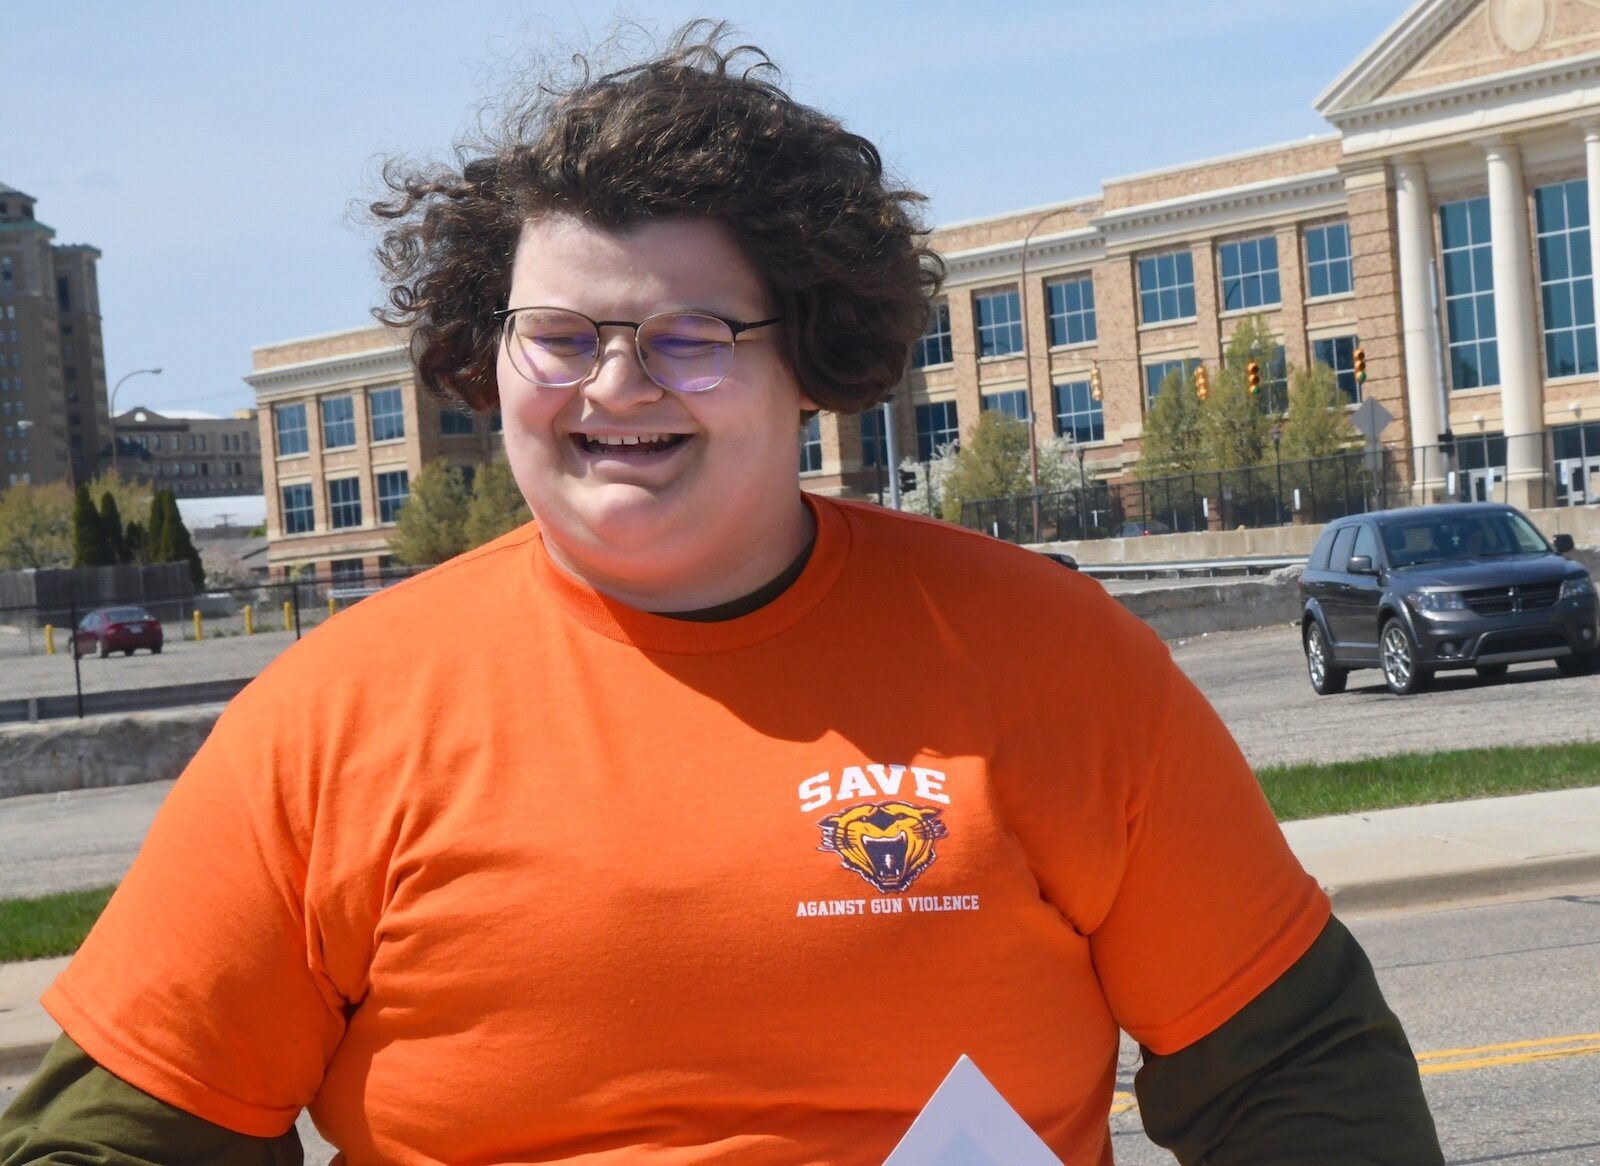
(1386, 858)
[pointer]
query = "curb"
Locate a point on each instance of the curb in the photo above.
(1433, 890)
(20, 1060)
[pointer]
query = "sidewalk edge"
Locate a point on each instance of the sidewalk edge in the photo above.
(1430, 890)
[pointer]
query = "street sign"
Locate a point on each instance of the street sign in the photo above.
(1370, 418)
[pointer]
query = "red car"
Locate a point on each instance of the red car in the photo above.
(116, 629)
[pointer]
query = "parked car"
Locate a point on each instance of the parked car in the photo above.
(117, 629)
(1141, 528)
(1431, 588)
(1061, 557)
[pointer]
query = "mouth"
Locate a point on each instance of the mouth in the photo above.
(629, 445)
(888, 855)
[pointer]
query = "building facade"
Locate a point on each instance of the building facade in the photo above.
(343, 430)
(1443, 230)
(53, 412)
(195, 455)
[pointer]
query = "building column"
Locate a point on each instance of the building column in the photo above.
(1591, 144)
(1419, 327)
(1521, 387)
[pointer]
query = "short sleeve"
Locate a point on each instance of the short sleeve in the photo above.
(1211, 906)
(202, 983)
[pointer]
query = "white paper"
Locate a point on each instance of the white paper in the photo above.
(967, 1123)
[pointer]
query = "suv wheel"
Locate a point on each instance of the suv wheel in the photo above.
(1327, 678)
(1398, 653)
(1581, 664)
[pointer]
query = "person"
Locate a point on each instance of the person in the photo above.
(757, 809)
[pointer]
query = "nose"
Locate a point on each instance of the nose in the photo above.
(619, 380)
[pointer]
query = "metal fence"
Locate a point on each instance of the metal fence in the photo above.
(213, 644)
(1483, 468)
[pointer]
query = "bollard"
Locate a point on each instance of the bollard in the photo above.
(250, 619)
(288, 615)
(49, 640)
(197, 631)
(333, 606)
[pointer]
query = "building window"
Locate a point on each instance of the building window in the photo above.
(63, 294)
(496, 423)
(1166, 287)
(394, 487)
(1072, 311)
(346, 571)
(7, 282)
(1013, 403)
(344, 502)
(298, 515)
(454, 424)
(1157, 372)
(1249, 273)
(1273, 395)
(811, 446)
(291, 424)
(1338, 353)
(1328, 260)
(934, 347)
(999, 316)
(1079, 417)
(937, 427)
(387, 414)
(1566, 281)
(338, 422)
(1469, 293)
(874, 443)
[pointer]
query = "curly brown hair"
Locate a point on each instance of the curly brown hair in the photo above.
(701, 131)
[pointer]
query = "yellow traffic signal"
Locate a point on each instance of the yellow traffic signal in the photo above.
(1202, 383)
(1253, 374)
(1094, 381)
(1361, 366)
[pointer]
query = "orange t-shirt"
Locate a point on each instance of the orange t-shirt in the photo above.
(493, 869)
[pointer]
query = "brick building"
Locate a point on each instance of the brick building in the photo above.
(1443, 228)
(195, 455)
(53, 413)
(343, 430)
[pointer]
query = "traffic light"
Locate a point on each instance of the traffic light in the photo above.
(908, 481)
(1202, 383)
(1361, 366)
(1094, 381)
(1253, 375)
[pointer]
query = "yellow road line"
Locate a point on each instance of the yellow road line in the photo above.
(1525, 1044)
(1122, 1101)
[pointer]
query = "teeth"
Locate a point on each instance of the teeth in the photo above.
(631, 439)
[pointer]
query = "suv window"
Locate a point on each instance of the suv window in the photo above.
(1339, 560)
(1366, 543)
(1319, 555)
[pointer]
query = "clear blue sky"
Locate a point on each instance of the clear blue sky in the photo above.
(213, 151)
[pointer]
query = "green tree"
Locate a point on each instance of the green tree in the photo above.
(157, 544)
(88, 542)
(994, 464)
(432, 526)
(36, 526)
(134, 542)
(133, 498)
(497, 506)
(1317, 423)
(1173, 441)
(1237, 425)
(177, 537)
(111, 528)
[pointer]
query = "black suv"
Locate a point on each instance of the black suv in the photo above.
(1421, 590)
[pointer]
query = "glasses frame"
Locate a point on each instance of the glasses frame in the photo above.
(737, 328)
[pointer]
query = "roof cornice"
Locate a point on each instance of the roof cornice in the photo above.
(330, 372)
(1221, 210)
(1390, 55)
(1000, 260)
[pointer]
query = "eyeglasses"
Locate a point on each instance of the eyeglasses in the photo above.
(685, 352)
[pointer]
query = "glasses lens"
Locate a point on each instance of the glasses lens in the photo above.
(685, 351)
(552, 347)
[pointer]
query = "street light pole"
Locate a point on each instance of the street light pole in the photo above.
(113, 407)
(1027, 359)
(1277, 461)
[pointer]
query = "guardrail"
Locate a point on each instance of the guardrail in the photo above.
(1209, 568)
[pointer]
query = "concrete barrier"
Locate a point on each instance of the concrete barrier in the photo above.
(96, 752)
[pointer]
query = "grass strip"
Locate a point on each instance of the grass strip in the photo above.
(1415, 779)
(35, 929)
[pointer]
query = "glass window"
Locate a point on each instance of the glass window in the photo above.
(1072, 311)
(999, 316)
(1158, 371)
(387, 414)
(811, 446)
(1566, 278)
(453, 423)
(937, 427)
(1340, 559)
(1249, 273)
(346, 570)
(298, 515)
(934, 347)
(1273, 396)
(1166, 287)
(394, 487)
(344, 502)
(338, 422)
(1474, 351)
(1366, 543)
(874, 445)
(1013, 403)
(1328, 271)
(291, 425)
(1339, 354)
(1079, 417)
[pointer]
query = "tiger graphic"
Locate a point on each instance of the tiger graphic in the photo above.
(887, 843)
